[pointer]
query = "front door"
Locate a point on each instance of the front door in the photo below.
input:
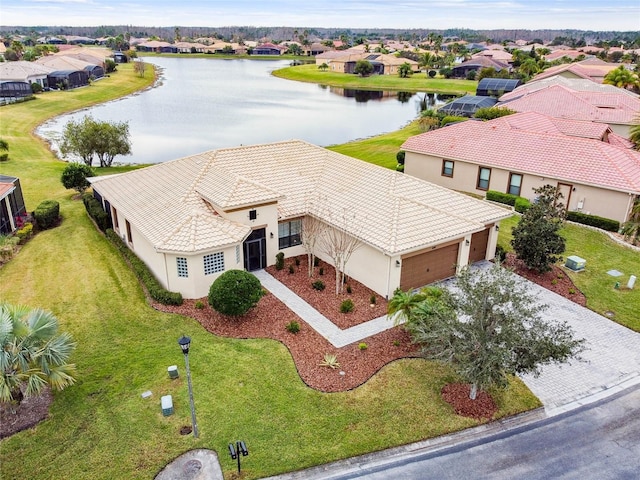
(565, 190)
(255, 250)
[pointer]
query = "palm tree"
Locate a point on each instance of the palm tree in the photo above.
(621, 78)
(32, 353)
(631, 228)
(634, 133)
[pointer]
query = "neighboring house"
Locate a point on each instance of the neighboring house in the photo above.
(22, 71)
(12, 209)
(268, 49)
(190, 47)
(156, 46)
(64, 63)
(468, 105)
(498, 55)
(68, 79)
(495, 87)
(615, 108)
(92, 55)
(577, 84)
(383, 64)
(314, 49)
(558, 54)
(120, 57)
(594, 168)
(191, 219)
(476, 64)
(11, 91)
(592, 69)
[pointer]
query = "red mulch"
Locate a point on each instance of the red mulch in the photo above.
(457, 395)
(308, 348)
(556, 280)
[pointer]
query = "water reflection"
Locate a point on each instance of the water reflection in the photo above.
(205, 104)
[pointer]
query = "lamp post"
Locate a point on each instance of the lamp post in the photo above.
(184, 343)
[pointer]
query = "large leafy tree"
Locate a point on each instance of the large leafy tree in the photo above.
(111, 139)
(536, 238)
(88, 138)
(32, 353)
(490, 326)
(363, 68)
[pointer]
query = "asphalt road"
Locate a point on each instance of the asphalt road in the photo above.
(600, 441)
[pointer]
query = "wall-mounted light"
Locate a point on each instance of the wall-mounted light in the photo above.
(573, 189)
(466, 242)
(271, 235)
(497, 228)
(397, 263)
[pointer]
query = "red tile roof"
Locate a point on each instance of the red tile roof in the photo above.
(535, 144)
(562, 102)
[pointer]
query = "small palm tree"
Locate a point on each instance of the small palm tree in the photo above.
(634, 133)
(32, 353)
(631, 228)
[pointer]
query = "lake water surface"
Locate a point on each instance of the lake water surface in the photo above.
(205, 104)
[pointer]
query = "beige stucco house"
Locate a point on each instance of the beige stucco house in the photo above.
(596, 170)
(191, 219)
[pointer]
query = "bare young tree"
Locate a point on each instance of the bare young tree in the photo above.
(139, 67)
(339, 245)
(312, 229)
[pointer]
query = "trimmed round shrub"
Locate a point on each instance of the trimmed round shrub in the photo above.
(46, 214)
(234, 292)
(347, 306)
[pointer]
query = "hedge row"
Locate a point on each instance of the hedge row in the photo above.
(95, 211)
(594, 221)
(522, 205)
(506, 198)
(157, 292)
(46, 214)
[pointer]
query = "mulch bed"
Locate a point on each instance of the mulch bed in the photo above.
(30, 412)
(556, 280)
(457, 395)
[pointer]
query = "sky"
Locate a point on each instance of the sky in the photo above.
(620, 15)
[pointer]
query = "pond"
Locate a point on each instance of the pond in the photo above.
(205, 104)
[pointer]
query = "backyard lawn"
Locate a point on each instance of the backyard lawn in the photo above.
(418, 82)
(244, 389)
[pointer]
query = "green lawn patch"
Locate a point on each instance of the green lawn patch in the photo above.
(418, 82)
(602, 254)
(244, 389)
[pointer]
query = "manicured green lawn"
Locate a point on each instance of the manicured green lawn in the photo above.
(418, 82)
(381, 149)
(244, 389)
(602, 254)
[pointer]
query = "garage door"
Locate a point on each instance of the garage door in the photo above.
(424, 268)
(479, 242)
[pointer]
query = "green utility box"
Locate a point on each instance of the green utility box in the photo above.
(575, 263)
(167, 405)
(173, 371)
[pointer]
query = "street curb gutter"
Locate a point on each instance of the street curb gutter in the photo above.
(370, 463)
